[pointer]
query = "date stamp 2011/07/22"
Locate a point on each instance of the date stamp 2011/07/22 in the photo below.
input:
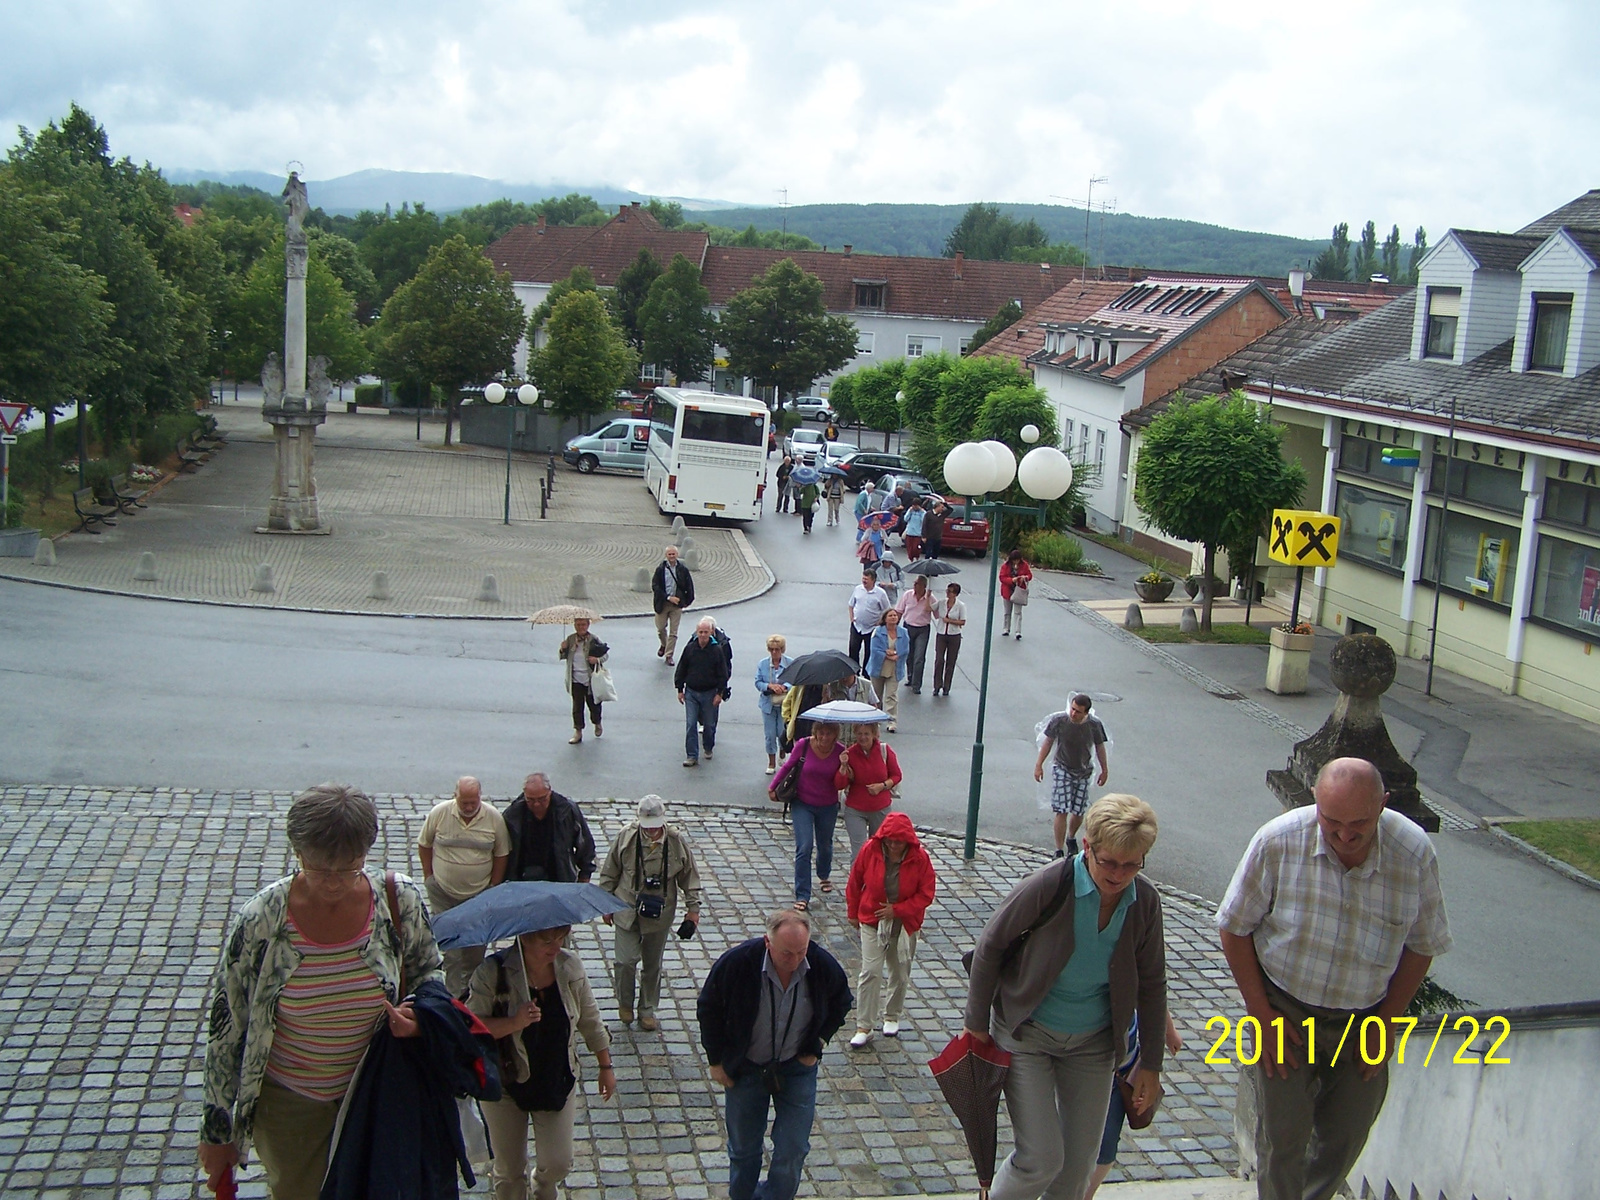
(1371, 1040)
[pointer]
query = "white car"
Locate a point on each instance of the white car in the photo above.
(803, 445)
(813, 408)
(838, 451)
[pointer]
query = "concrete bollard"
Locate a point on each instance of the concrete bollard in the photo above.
(686, 543)
(641, 579)
(145, 572)
(679, 529)
(578, 589)
(691, 558)
(490, 591)
(1187, 621)
(263, 581)
(1135, 617)
(44, 554)
(380, 586)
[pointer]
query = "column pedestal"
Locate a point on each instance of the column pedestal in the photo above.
(293, 504)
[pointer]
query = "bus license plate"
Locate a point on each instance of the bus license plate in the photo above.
(716, 506)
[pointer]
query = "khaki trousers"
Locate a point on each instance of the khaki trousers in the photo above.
(889, 694)
(632, 948)
(460, 963)
(508, 1138)
(896, 951)
(293, 1135)
(667, 627)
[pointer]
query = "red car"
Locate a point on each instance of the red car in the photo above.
(960, 533)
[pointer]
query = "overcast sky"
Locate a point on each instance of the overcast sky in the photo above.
(1261, 115)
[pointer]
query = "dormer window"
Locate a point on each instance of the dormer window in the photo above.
(1444, 310)
(869, 295)
(1113, 358)
(1552, 315)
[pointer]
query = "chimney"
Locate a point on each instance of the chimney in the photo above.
(635, 204)
(540, 229)
(960, 259)
(847, 248)
(1378, 285)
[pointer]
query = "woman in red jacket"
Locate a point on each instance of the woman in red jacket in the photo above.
(890, 888)
(869, 770)
(1015, 577)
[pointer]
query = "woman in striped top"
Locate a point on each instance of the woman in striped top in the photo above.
(309, 968)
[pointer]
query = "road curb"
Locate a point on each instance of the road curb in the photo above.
(1532, 851)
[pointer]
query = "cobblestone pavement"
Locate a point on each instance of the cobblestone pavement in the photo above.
(430, 519)
(113, 908)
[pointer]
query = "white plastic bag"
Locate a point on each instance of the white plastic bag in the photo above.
(601, 688)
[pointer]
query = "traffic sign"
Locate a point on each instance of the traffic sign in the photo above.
(1304, 539)
(8, 439)
(11, 414)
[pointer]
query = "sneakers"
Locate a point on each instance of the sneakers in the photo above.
(1019, 637)
(891, 1029)
(708, 754)
(648, 1023)
(893, 728)
(1057, 854)
(772, 770)
(861, 1039)
(691, 762)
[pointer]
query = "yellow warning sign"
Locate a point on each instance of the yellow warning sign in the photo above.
(1304, 539)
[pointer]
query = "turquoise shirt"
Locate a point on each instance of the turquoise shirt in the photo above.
(1080, 999)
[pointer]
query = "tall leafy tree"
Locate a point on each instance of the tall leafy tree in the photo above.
(668, 213)
(1211, 471)
(256, 316)
(1010, 313)
(345, 261)
(923, 385)
(398, 244)
(1334, 262)
(572, 209)
(964, 389)
(679, 331)
(633, 288)
(456, 321)
(778, 333)
(1366, 265)
(585, 358)
(1419, 250)
(580, 279)
(1391, 256)
(870, 397)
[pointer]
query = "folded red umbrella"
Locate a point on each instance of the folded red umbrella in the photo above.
(971, 1074)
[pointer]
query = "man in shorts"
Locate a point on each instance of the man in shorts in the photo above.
(1075, 736)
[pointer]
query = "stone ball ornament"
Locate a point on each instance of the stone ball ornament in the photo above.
(1362, 665)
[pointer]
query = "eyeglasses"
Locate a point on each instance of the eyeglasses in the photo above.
(1115, 867)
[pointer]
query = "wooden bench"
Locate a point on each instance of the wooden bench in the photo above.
(126, 495)
(90, 511)
(190, 454)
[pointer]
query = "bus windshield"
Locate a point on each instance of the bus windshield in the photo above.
(739, 429)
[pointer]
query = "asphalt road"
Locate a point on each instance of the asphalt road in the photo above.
(101, 690)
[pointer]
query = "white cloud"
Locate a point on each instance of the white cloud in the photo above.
(1258, 115)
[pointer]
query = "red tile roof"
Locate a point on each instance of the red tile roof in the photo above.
(546, 253)
(1074, 302)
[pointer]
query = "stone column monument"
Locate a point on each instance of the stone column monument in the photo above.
(294, 401)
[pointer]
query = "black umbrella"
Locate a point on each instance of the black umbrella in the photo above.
(971, 1074)
(820, 666)
(930, 566)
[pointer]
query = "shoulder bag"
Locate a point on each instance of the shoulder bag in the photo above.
(1063, 888)
(391, 889)
(788, 791)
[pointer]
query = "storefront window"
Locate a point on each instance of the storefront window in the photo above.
(1571, 503)
(1479, 483)
(1375, 525)
(1566, 584)
(1363, 456)
(1480, 557)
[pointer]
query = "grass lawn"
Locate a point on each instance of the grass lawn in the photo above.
(1231, 634)
(57, 516)
(1576, 843)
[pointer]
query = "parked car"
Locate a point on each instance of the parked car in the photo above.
(837, 452)
(620, 446)
(803, 445)
(866, 466)
(915, 485)
(814, 408)
(964, 532)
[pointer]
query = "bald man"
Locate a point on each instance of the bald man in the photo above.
(464, 847)
(1334, 911)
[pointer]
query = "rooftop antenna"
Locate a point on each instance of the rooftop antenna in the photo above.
(783, 206)
(1087, 205)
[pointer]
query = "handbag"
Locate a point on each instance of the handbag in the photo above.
(1136, 1119)
(602, 690)
(1019, 595)
(788, 790)
(391, 889)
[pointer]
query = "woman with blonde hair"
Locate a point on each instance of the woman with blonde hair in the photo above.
(771, 694)
(1058, 975)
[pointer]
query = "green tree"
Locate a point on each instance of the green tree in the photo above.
(668, 213)
(1391, 256)
(1004, 413)
(923, 385)
(256, 316)
(454, 322)
(679, 330)
(1211, 471)
(345, 261)
(1366, 265)
(870, 397)
(965, 387)
(1010, 313)
(585, 358)
(1419, 250)
(571, 209)
(763, 239)
(579, 279)
(398, 244)
(778, 333)
(633, 288)
(484, 223)
(984, 232)
(1334, 262)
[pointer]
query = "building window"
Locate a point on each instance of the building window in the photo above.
(1083, 442)
(1068, 428)
(1574, 504)
(1550, 320)
(1100, 450)
(869, 295)
(1444, 310)
(1097, 349)
(864, 341)
(1113, 359)
(1480, 557)
(1566, 585)
(1363, 456)
(1083, 346)
(917, 347)
(650, 373)
(1374, 526)
(1478, 483)
(964, 345)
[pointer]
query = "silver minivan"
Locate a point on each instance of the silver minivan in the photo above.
(619, 446)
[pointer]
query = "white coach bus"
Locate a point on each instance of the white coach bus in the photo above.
(708, 454)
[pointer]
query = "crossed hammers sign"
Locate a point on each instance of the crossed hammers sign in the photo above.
(1315, 536)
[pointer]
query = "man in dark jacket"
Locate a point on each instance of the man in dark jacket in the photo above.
(701, 679)
(766, 1011)
(673, 590)
(550, 838)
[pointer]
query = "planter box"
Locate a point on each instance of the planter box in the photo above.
(1153, 593)
(1288, 661)
(18, 543)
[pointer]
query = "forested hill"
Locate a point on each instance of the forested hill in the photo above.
(1120, 238)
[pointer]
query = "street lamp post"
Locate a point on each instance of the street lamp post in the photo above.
(976, 469)
(526, 394)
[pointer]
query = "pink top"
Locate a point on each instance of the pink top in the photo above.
(915, 611)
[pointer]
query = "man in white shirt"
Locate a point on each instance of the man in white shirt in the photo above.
(949, 619)
(464, 847)
(1333, 915)
(868, 603)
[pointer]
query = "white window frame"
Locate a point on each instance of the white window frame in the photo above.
(919, 345)
(1069, 430)
(865, 340)
(1100, 450)
(1083, 443)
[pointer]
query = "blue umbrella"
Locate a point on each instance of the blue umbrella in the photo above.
(830, 469)
(803, 476)
(513, 908)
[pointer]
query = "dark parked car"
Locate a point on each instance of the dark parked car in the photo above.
(865, 466)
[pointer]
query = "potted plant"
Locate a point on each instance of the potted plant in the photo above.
(1153, 587)
(1289, 658)
(1191, 584)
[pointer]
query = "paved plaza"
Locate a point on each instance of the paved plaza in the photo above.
(113, 910)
